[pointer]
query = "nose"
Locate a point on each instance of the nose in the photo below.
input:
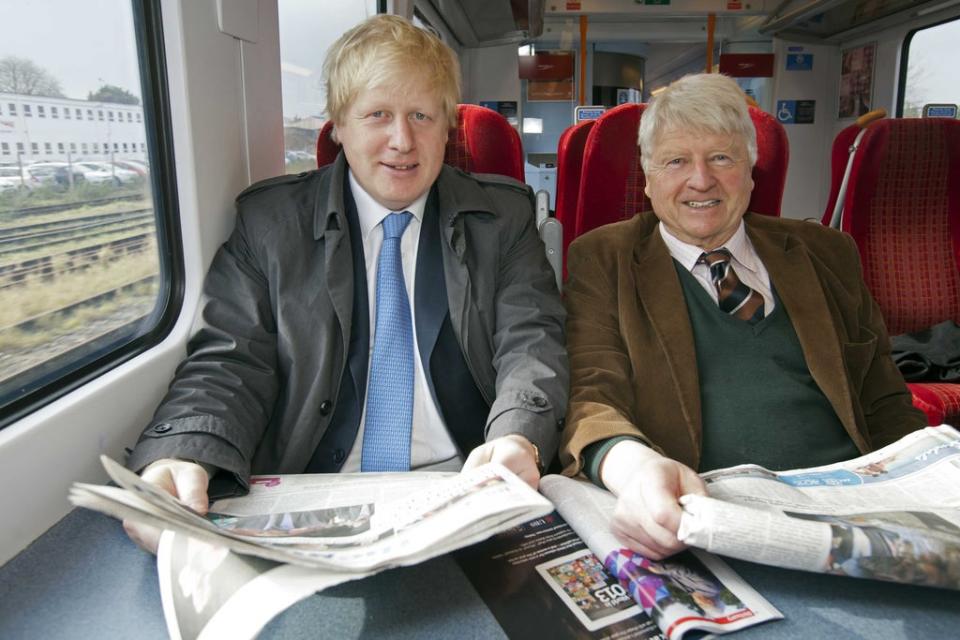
(401, 136)
(701, 175)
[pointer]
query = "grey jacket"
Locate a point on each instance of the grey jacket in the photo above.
(256, 391)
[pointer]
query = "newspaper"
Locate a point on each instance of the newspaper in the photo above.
(352, 536)
(692, 591)
(228, 573)
(893, 514)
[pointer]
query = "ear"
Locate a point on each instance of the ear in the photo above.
(646, 187)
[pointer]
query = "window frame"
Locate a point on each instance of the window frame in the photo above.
(151, 61)
(905, 60)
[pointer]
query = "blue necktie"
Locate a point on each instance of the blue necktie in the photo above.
(386, 432)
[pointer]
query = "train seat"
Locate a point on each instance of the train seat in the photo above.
(902, 207)
(612, 184)
(839, 159)
(484, 142)
(570, 149)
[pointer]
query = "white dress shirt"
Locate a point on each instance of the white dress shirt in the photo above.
(431, 443)
(745, 262)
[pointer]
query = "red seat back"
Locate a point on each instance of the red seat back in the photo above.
(612, 183)
(484, 142)
(903, 209)
(569, 170)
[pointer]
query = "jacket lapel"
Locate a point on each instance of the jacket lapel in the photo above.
(430, 300)
(660, 296)
(330, 226)
(798, 285)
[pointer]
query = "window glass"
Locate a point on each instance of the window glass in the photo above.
(82, 281)
(306, 32)
(931, 54)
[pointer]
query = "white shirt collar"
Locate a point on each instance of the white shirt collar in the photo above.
(372, 213)
(686, 254)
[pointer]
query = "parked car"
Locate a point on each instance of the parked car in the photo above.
(140, 168)
(53, 173)
(12, 179)
(104, 172)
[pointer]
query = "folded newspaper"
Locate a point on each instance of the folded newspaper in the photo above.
(692, 591)
(893, 514)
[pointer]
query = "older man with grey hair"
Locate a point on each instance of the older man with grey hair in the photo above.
(703, 336)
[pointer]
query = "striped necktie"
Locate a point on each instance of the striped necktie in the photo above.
(733, 296)
(389, 419)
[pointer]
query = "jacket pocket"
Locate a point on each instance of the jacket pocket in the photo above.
(857, 357)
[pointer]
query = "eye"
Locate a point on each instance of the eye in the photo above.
(721, 159)
(675, 163)
(419, 115)
(377, 114)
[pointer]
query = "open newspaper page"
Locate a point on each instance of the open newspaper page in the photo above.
(690, 591)
(356, 537)
(893, 514)
(544, 566)
(210, 592)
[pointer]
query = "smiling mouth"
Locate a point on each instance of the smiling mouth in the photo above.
(401, 167)
(701, 204)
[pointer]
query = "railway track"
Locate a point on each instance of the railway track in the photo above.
(66, 206)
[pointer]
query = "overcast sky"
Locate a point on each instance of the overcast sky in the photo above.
(79, 42)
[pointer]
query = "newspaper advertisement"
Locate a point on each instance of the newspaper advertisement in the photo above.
(692, 591)
(893, 514)
(210, 592)
(544, 566)
(352, 535)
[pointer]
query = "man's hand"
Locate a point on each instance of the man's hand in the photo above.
(648, 487)
(186, 481)
(514, 452)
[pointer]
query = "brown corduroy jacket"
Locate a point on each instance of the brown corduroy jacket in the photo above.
(632, 359)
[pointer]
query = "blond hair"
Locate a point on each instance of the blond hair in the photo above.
(386, 50)
(702, 103)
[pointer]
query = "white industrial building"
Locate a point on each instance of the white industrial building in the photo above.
(39, 129)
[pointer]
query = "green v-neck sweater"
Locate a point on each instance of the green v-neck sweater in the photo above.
(758, 401)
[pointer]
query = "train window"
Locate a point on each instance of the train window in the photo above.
(305, 34)
(928, 63)
(90, 269)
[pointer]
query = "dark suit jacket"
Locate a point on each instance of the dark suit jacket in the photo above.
(257, 390)
(632, 359)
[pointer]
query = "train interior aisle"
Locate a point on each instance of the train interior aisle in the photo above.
(128, 127)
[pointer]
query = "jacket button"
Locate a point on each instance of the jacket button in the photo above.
(162, 428)
(338, 456)
(325, 407)
(539, 401)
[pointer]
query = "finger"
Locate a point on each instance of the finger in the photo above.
(191, 487)
(145, 537)
(518, 460)
(477, 457)
(643, 534)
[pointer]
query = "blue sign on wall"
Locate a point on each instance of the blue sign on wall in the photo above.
(800, 62)
(786, 111)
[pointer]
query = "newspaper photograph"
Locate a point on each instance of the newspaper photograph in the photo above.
(692, 591)
(343, 528)
(544, 566)
(893, 514)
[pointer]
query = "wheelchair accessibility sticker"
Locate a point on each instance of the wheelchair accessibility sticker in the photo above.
(795, 111)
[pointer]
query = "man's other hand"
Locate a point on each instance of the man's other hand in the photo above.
(514, 452)
(186, 481)
(648, 487)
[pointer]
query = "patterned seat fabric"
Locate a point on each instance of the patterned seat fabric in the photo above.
(903, 209)
(484, 142)
(612, 183)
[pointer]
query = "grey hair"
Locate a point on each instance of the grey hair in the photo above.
(705, 103)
